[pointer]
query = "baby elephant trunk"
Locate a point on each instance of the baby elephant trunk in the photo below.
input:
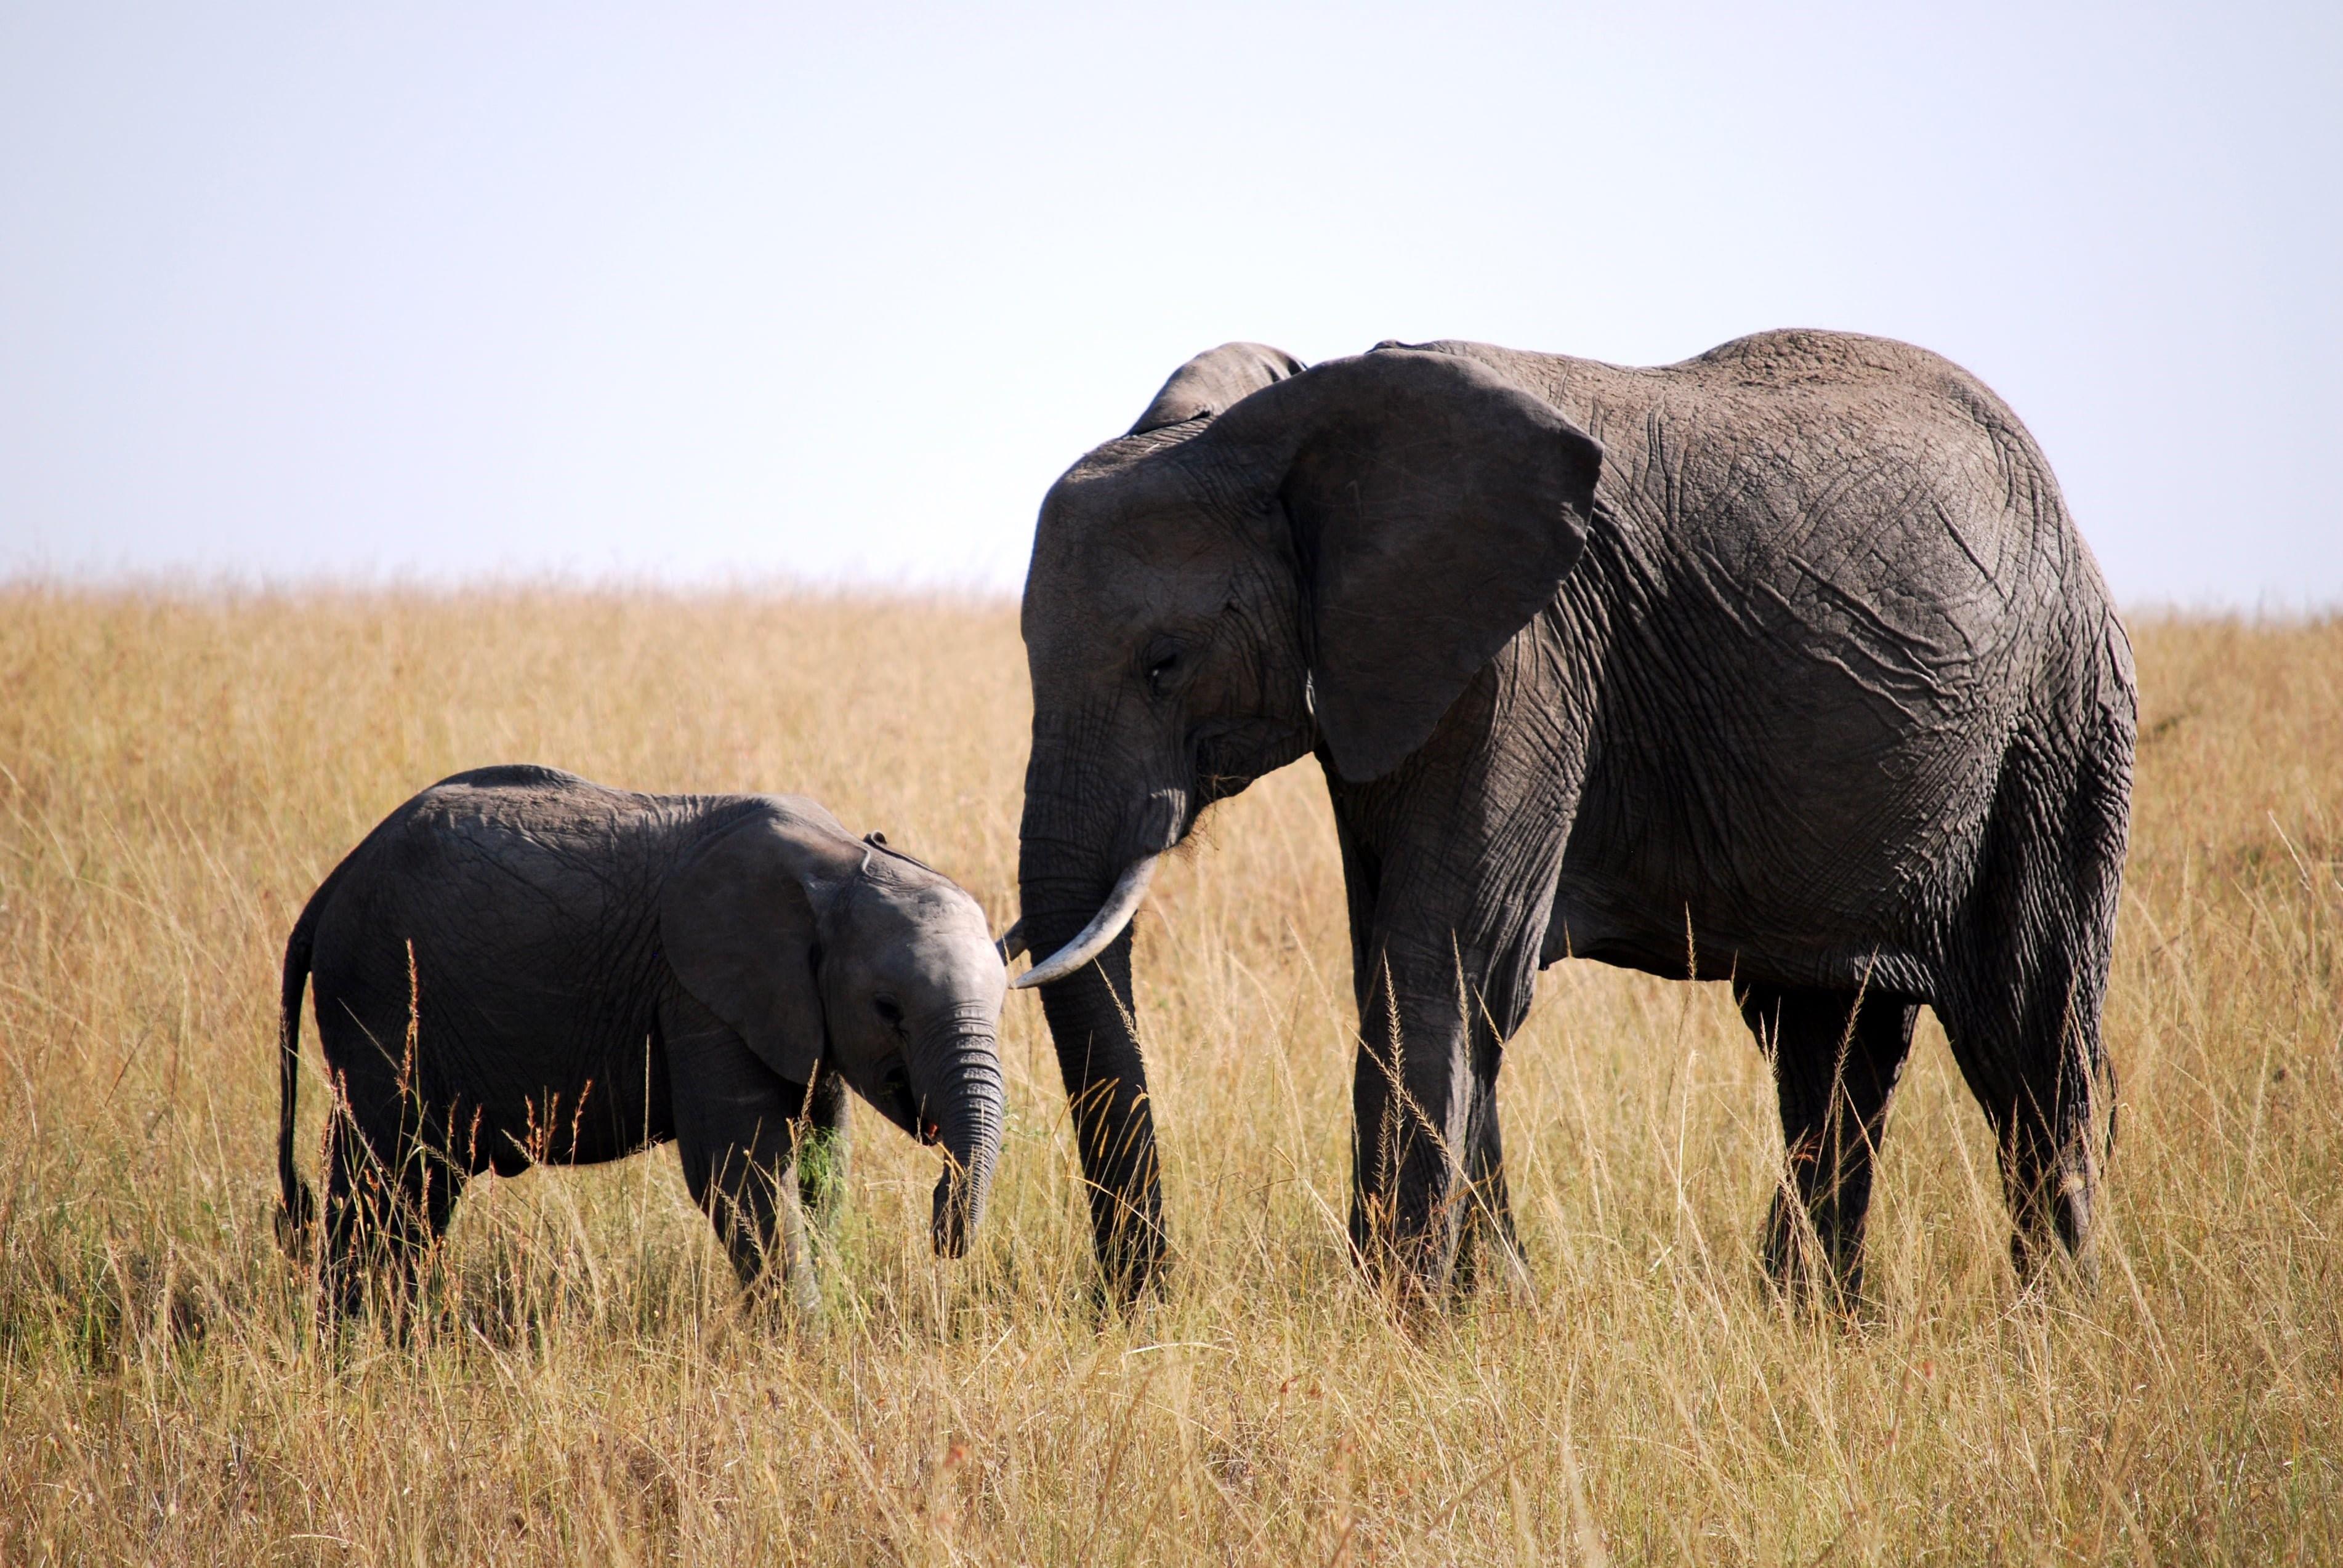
(963, 1096)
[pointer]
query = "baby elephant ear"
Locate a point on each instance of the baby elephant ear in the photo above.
(738, 922)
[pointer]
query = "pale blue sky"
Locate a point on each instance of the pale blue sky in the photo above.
(681, 291)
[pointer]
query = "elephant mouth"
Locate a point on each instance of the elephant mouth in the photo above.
(903, 1108)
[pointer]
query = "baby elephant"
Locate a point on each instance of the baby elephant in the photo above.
(520, 966)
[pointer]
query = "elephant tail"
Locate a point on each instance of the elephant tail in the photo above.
(298, 1205)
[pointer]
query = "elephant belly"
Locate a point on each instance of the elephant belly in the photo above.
(548, 1075)
(1779, 847)
(1785, 794)
(499, 1062)
(1615, 927)
(571, 1091)
(609, 1103)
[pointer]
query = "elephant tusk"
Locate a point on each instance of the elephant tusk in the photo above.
(1104, 927)
(1012, 941)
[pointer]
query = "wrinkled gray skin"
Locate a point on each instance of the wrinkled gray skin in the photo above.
(1783, 665)
(594, 971)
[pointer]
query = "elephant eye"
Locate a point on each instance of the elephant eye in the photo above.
(887, 1009)
(1161, 668)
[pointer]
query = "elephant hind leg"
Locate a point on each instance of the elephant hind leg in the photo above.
(2029, 1050)
(1836, 1056)
(389, 1200)
(389, 1189)
(2030, 980)
(2030, 1060)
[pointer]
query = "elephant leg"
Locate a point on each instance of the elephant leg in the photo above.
(1412, 1098)
(735, 1130)
(828, 1145)
(1093, 1028)
(2023, 1013)
(1836, 1057)
(389, 1191)
(2028, 1059)
(1489, 1247)
(389, 1199)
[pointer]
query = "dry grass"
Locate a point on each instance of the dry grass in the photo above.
(175, 775)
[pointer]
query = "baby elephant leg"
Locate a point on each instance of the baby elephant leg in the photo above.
(822, 1159)
(736, 1128)
(389, 1200)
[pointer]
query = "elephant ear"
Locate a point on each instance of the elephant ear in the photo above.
(1434, 509)
(738, 922)
(1214, 380)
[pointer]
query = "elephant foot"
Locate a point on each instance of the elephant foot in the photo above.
(1813, 1274)
(1489, 1260)
(1133, 1254)
(798, 1289)
(1422, 1270)
(2054, 1244)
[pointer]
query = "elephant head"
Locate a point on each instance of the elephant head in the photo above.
(827, 952)
(1274, 560)
(1327, 557)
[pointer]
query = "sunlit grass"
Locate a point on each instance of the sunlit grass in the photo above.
(175, 775)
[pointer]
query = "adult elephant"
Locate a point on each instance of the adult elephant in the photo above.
(1783, 665)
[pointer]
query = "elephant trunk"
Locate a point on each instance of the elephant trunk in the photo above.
(963, 1086)
(1062, 888)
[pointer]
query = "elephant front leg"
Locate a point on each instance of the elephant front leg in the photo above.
(735, 1130)
(1489, 1248)
(1412, 1098)
(746, 1184)
(1091, 1021)
(826, 1149)
(1836, 1056)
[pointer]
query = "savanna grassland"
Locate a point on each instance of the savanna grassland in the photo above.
(176, 773)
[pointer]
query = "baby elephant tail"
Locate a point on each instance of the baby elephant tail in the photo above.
(297, 1205)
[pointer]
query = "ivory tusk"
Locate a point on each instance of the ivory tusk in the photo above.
(1104, 927)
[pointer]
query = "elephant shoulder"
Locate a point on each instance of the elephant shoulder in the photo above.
(1531, 372)
(800, 819)
(799, 813)
(1612, 402)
